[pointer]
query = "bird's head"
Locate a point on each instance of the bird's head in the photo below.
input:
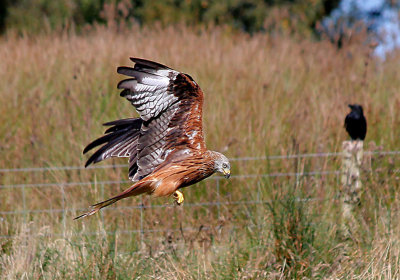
(356, 108)
(222, 165)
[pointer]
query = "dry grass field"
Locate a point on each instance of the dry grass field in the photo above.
(264, 95)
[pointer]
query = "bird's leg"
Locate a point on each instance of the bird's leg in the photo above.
(178, 196)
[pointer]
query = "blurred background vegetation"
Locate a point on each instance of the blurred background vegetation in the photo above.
(290, 16)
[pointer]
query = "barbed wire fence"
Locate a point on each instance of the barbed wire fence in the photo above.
(141, 230)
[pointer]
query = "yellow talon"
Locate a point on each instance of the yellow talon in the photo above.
(178, 197)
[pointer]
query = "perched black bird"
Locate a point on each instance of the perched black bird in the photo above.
(355, 123)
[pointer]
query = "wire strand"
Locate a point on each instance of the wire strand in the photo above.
(273, 157)
(71, 184)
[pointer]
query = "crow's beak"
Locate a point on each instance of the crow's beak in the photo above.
(227, 173)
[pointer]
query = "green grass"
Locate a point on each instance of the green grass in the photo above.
(264, 95)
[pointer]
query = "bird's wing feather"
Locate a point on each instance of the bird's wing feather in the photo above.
(120, 140)
(170, 105)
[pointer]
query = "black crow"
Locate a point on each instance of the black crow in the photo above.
(355, 123)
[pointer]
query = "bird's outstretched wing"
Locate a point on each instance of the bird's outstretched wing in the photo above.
(170, 107)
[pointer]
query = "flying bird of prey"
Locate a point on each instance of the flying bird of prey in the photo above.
(355, 123)
(165, 145)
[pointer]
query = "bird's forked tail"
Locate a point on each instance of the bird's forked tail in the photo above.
(134, 190)
(96, 207)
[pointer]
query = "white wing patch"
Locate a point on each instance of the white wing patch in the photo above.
(192, 134)
(148, 92)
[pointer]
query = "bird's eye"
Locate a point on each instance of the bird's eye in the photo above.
(224, 165)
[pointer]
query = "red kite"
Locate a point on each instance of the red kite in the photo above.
(165, 146)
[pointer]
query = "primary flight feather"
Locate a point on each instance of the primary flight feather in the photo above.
(165, 145)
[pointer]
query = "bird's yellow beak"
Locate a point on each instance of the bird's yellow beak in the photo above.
(227, 173)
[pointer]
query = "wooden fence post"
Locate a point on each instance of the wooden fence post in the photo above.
(351, 184)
